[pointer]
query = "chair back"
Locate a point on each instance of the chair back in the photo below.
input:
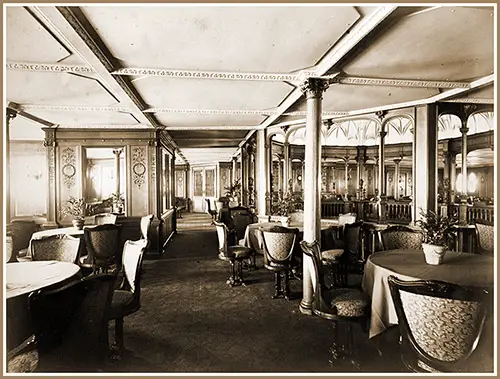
(73, 316)
(133, 254)
(485, 236)
(105, 218)
(240, 218)
(21, 232)
(278, 243)
(222, 233)
(8, 248)
(209, 206)
(400, 237)
(347, 218)
(352, 241)
(102, 242)
(145, 226)
(61, 248)
(441, 322)
(297, 216)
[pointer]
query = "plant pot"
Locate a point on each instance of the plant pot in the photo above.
(285, 221)
(78, 223)
(434, 254)
(233, 202)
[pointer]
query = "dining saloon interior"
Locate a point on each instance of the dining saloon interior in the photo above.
(249, 188)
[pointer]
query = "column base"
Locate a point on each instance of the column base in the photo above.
(305, 307)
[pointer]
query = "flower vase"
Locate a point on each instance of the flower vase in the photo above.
(78, 223)
(434, 254)
(285, 221)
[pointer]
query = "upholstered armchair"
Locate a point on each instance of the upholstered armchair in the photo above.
(440, 323)
(145, 227)
(21, 232)
(70, 328)
(102, 242)
(234, 254)
(62, 248)
(400, 237)
(105, 218)
(127, 298)
(485, 240)
(338, 304)
(278, 243)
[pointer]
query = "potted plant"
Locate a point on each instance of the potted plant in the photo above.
(435, 229)
(118, 202)
(284, 206)
(232, 192)
(75, 207)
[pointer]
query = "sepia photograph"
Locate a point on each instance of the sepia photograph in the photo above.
(250, 189)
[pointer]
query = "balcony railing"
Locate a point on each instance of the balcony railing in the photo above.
(477, 212)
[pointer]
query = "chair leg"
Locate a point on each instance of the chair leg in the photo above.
(287, 285)
(117, 348)
(277, 285)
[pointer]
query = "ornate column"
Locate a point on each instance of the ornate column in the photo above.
(360, 167)
(425, 145)
(333, 185)
(382, 199)
(346, 177)
(262, 167)
(233, 171)
(281, 190)
(463, 198)
(251, 175)
(10, 114)
(50, 143)
(375, 176)
(172, 179)
(243, 160)
(286, 164)
(269, 171)
(397, 161)
(313, 89)
(117, 153)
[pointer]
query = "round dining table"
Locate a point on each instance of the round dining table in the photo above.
(457, 267)
(22, 278)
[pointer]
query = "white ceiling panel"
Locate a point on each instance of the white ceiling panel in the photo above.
(208, 155)
(211, 94)
(28, 41)
(56, 89)
(447, 43)
(200, 120)
(79, 118)
(21, 128)
(221, 37)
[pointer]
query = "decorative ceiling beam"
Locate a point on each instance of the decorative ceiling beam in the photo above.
(213, 127)
(255, 76)
(73, 108)
(470, 100)
(398, 82)
(49, 67)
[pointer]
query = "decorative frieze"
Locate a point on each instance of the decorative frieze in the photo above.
(68, 168)
(398, 82)
(138, 166)
(72, 108)
(49, 67)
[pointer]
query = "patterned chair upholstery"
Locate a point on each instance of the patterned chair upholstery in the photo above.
(338, 304)
(297, 216)
(440, 323)
(62, 248)
(278, 243)
(485, 233)
(127, 298)
(102, 242)
(105, 218)
(235, 254)
(65, 319)
(400, 237)
(240, 218)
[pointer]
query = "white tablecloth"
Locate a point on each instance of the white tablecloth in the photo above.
(459, 268)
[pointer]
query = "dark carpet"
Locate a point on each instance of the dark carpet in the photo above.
(191, 321)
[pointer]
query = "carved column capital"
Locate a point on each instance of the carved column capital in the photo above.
(117, 152)
(382, 134)
(314, 88)
(464, 130)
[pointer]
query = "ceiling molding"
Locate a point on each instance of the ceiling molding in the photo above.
(213, 127)
(470, 100)
(136, 126)
(49, 67)
(73, 108)
(398, 82)
(219, 75)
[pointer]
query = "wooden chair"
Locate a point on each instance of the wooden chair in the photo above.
(62, 248)
(65, 320)
(102, 242)
(240, 218)
(485, 234)
(440, 323)
(127, 298)
(400, 237)
(337, 304)
(105, 218)
(234, 254)
(278, 243)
